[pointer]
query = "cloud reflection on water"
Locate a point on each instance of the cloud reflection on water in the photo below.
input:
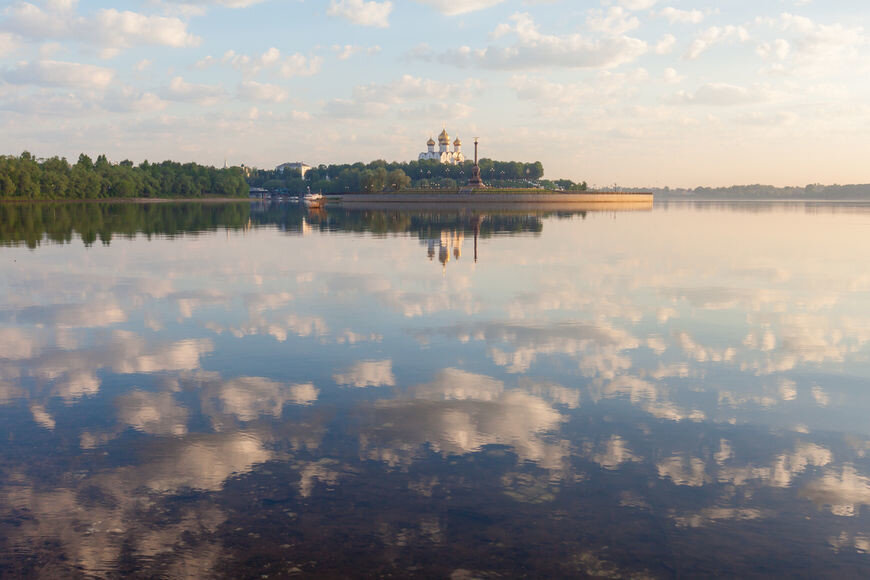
(651, 375)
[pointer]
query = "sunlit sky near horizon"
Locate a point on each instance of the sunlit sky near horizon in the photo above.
(634, 92)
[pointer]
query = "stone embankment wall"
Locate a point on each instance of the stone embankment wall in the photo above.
(505, 197)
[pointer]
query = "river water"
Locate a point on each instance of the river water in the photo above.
(242, 390)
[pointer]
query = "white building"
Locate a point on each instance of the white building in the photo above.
(443, 155)
(300, 167)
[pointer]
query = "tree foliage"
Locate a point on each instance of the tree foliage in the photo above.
(27, 178)
(380, 175)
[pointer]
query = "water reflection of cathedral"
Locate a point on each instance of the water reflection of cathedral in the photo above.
(449, 242)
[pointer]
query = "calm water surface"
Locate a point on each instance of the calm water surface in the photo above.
(258, 391)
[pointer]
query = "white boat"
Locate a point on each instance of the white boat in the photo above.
(312, 198)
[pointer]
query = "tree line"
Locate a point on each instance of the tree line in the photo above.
(383, 176)
(28, 178)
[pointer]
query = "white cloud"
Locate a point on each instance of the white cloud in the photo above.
(290, 66)
(452, 8)
(226, 3)
(254, 91)
(8, 44)
(819, 43)
(360, 12)
(532, 49)
(118, 30)
(637, 4)
(51, 73)
(715, 35)
(666, 44)
(348, 50)
(721, 94)
(181, 90)
(375, 100)
(297, 65)
(110, 29)
(615, 21)
(675, 15)
(673, 77)
(779, 49)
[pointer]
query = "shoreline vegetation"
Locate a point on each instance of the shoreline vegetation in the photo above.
(28, 178)
(425, 175)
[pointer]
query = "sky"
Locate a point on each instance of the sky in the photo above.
(637, 93)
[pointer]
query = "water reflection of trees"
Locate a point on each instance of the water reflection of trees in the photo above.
(31, 224)
(424, 224)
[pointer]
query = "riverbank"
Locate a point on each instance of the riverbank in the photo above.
(487, 197)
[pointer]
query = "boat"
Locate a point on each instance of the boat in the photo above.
(312, 199)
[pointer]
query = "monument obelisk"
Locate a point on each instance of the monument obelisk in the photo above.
(475, 180)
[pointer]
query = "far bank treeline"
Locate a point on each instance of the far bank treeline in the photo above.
(27, 178)
(384, 176)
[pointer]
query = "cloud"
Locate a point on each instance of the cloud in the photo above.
(225, 3)
(532, 49)
(254, 91)
(8, 44)
(615, 21)
(637, 4)
(181, 90)
(671, 76)
(360, 12)
(677, 16)
(453, 8)
(290, 66)
(721, 95)
(666, 44)
(348, 50)
(779, 49)
(52, 73)
(375, 100)
(715, 35)
(815, 44)
(298, 65)
(110, 29)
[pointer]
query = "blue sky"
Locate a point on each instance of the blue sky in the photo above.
(634, 92)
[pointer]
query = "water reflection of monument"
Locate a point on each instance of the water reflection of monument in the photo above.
(450, 242)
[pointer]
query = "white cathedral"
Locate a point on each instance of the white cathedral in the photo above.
(443, 154)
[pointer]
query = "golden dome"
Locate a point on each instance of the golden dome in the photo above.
(458, 143)
(431, 141)
(444, 137)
